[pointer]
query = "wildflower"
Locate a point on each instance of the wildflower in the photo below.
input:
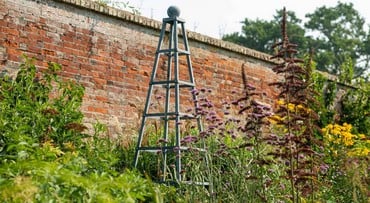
(209, 104)
(361, 151)
(69, 146)
(361, 136)
(176, 149)
(280, 102)
(158, 97)
(189, 110)
(195, 92)
(324, 168)
(189, 139)
(250, 86)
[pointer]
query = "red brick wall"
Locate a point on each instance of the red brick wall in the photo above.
(111, 53)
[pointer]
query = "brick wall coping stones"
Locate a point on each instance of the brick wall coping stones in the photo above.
(154, 24)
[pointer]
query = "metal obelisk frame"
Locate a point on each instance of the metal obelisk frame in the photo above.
(172, 55)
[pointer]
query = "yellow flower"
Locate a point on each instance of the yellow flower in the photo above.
(359, 151)
(280, 102)
(339, 134)
(361, 136)
(49, 146)
(340, 139)
(291, 107)
(69, 146)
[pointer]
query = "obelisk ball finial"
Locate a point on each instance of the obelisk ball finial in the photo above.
(173, 11)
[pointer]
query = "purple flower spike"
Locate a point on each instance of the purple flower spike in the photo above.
(250, 87)
(203, 134)
(211, 127)
(158, 97)
(257, 115)
(204, 105)
(268, 114)
(176, 149)
(210, 104)
(194, 91)
(198, 108)
(324, 168)
(189, 139)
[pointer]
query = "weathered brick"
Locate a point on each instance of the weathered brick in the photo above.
(113, 56)
(97, 109)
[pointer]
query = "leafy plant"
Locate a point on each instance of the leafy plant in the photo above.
(356, 107)
(45, 154)
(346, 162)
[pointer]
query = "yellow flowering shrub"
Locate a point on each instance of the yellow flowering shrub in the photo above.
(340, 137)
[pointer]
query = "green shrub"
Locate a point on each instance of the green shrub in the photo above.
(45, 154)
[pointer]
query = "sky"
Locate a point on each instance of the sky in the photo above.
(218, 17)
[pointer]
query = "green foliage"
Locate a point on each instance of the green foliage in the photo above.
(261, 34)
(45, 154)
(356, 107)
(326, 92)
(346, 71)
(341, 34)
(29, 118)
(52, 181)
(335, 33)
(345, 125)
